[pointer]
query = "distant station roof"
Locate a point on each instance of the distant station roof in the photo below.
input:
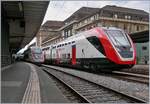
(53, 24)
(125, 10)
(81, 13)
(140, 37)
(24, 18)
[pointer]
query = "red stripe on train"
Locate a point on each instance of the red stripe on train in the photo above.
(73, 54)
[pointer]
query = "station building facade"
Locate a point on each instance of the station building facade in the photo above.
(48, 31)
(131, 20)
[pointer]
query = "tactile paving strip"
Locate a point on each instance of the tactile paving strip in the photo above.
(32, 93)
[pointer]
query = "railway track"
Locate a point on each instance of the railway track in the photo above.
(132, 77)
(91, 92)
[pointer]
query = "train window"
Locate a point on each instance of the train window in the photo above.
(68, 55)
(144, 48)
(62, 44)
(73, 41)
(69, 43)
(65, 43)
(96, 43)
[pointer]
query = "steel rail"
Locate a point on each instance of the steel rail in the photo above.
(83, 99)
(133, 98)
(131, 74)
(132, 77)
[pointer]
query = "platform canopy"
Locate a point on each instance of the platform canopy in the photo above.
(24, 19)
(140, 37)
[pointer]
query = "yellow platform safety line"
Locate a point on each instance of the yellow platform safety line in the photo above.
(32, 92)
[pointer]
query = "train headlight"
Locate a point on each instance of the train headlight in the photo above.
(131, 49)
(36, 57)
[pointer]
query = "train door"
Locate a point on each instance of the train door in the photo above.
(73, 54)
(57, 56)
(50, 54)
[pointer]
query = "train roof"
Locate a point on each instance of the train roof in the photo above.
(111, 28)
(46, 47)
(34, 47)
(83, 34)
(77, 36)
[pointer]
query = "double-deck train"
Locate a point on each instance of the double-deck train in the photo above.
(98, 48)
(34, 55)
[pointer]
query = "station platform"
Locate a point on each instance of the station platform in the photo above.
(26, 83)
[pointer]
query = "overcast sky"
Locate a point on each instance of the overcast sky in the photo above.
(60, 10)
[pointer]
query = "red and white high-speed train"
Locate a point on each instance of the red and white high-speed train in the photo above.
(34, 55)
(98, 48)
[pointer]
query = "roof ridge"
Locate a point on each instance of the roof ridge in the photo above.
(123, 8)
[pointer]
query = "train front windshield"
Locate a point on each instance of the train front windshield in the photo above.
(121, 42)
(37, 51)
(118, 37)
